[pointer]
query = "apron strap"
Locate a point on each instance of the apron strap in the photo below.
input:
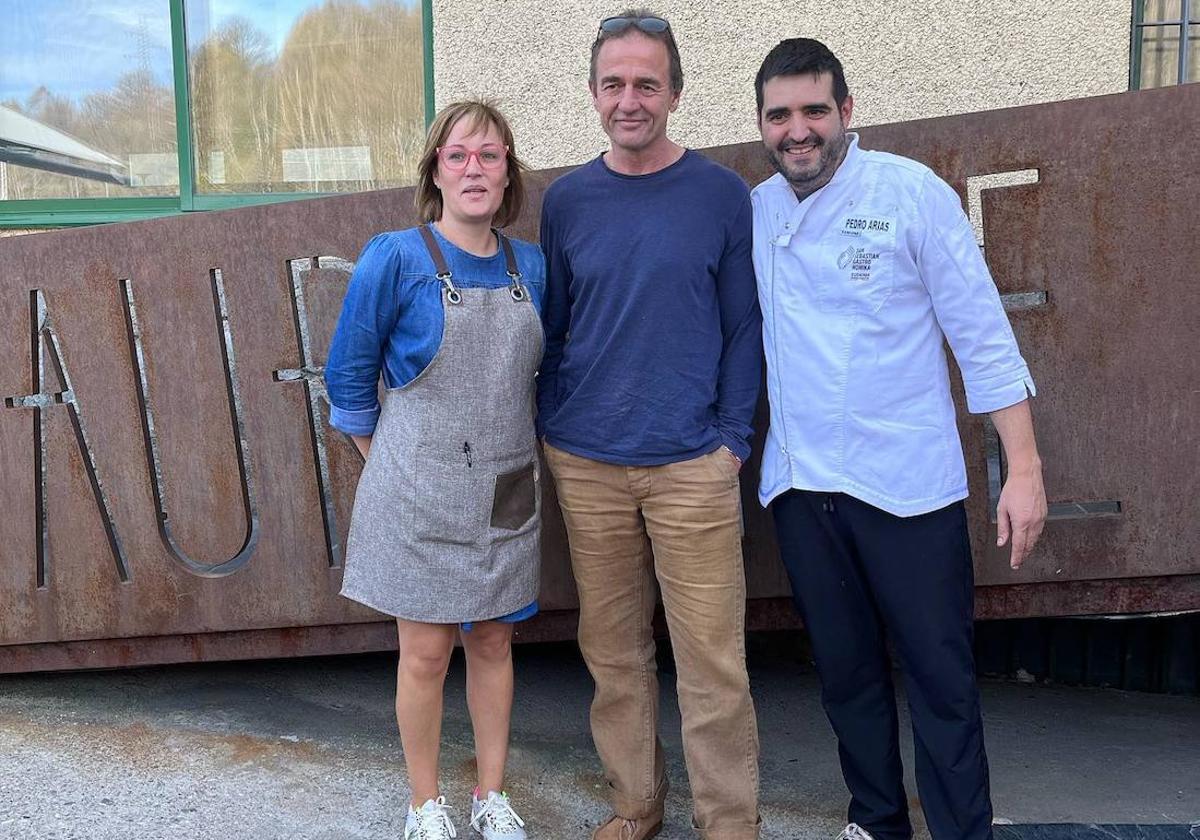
(514, 273)
(439, 263)
(443, 270)
(435, 252)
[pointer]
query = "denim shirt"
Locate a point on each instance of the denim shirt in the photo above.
(391, 318)
(859, 285)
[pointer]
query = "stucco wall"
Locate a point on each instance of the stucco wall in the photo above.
(903, 60)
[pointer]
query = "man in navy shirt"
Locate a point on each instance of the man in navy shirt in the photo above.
(645, 396)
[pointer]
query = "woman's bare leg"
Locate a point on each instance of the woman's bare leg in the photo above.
(424, 656)
(488, 647)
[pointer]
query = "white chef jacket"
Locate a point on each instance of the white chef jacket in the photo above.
(859, 284)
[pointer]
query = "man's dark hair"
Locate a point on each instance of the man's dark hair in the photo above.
(665, 37)
(798, 56)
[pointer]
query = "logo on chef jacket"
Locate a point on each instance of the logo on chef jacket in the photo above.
(859, 260)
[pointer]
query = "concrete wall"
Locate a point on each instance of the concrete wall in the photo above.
(903, 60)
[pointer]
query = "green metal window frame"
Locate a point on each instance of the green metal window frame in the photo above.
(67, 212)
(1189, 16)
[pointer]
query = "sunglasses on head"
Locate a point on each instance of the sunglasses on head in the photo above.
(650, 25)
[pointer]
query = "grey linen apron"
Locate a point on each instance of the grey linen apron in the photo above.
(446, 521)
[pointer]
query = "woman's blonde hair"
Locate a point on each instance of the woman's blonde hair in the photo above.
(481, 113)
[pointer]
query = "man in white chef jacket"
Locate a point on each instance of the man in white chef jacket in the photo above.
(865, 264)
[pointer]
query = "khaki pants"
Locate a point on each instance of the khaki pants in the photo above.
(680, 524)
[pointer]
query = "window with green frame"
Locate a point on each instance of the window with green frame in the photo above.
(113, 110)
(1165, 47)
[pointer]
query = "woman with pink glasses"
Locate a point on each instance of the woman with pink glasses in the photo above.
(445, 530)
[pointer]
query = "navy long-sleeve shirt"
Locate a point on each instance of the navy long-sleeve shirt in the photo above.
(653, 331)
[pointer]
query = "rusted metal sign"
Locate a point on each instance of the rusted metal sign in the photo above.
(172, 490)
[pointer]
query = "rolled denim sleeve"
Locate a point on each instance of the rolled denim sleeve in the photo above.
(361, 423)
(967, 304)
(368, 317)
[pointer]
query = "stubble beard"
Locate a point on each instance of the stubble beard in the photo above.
(808, 180)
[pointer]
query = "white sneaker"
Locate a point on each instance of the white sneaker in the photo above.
(495, 819)
(431, 822)
(854, 832)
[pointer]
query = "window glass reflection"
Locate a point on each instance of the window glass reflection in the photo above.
(1193, 54)
(305, 96)
(1159, 56)
(1161, 10)
(86, 99)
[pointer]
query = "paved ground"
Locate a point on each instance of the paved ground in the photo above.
(306, 749)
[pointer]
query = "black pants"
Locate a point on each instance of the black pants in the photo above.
(860, 574)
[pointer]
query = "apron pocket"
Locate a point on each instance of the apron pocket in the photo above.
(450, 505)
(515, 500)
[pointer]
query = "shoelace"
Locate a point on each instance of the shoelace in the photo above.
(436, 825)
(499, 815)
(854, 832)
